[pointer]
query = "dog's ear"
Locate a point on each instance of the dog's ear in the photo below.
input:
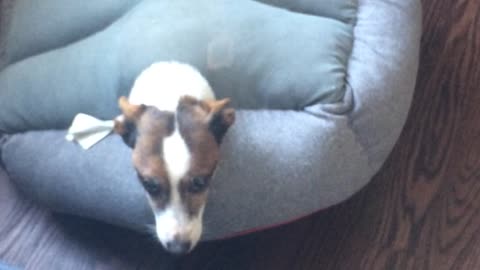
(125, 124)
(130, 111)
(220, 117)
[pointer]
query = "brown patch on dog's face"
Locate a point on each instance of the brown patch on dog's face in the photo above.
(151, 128)
(194, 118)
(194, 127)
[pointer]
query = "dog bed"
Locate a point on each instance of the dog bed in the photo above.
(6, 267)
(322, 90)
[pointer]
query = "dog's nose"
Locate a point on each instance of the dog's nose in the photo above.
(178, 247)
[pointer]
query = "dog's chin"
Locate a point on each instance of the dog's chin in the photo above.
(178, 247)
(178, 232)
(179, 244)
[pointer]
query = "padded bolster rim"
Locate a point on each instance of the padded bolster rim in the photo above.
(362, 96)
(387, 83)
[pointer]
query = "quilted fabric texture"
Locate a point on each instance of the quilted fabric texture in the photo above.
(320, 106)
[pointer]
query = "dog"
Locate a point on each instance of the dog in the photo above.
(175, 126)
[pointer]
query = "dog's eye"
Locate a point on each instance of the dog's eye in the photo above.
(152, 187)
(198, 184)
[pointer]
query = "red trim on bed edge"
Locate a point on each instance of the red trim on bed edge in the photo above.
(267, 227)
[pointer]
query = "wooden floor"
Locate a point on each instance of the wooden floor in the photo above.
(422, 210)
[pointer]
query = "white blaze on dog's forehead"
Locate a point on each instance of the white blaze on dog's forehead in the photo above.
(174, 222)
(163, 83)
(176, 156)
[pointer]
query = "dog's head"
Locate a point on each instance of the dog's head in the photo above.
(175, 155)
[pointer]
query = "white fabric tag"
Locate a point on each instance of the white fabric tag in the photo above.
(87, 130)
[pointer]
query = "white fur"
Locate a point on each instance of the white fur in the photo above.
(161, 85)
(176, 156)
(173, 223)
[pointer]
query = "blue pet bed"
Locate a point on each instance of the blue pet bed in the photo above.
(322, 90)
(6, 267)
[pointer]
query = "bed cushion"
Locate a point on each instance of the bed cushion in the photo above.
(321, 98)
(262, 57)
(29, 27)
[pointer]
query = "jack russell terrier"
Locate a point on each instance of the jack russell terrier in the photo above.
(174, 126)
